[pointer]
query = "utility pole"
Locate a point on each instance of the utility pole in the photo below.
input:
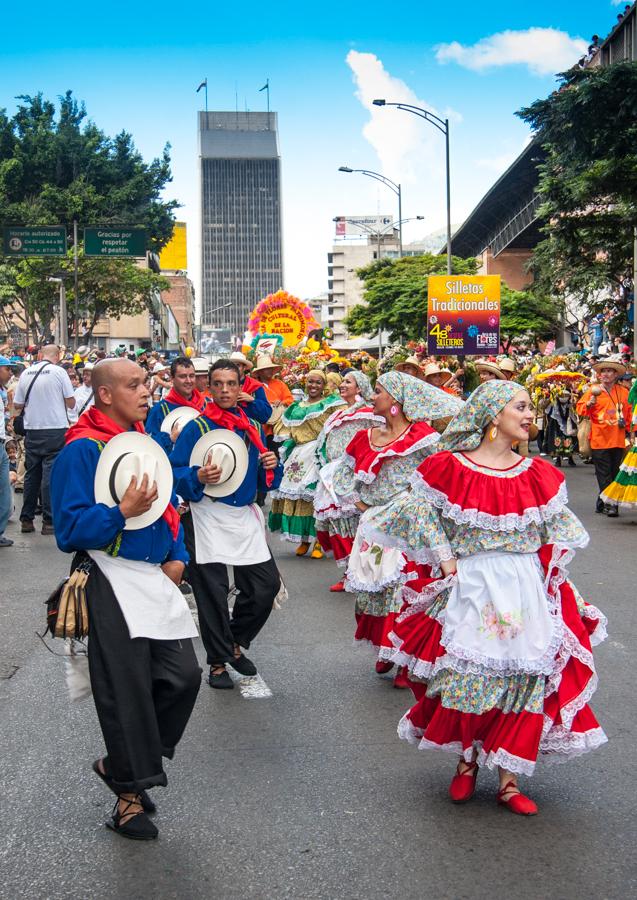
(76, 337)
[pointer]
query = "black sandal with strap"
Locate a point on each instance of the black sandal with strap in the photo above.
(147, 804)
(138, 827)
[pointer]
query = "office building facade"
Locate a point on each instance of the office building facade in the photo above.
(241, 236)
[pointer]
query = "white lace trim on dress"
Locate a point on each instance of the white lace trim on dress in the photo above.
(477, 519)
(388, 452)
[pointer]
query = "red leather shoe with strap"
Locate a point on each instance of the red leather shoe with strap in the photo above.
(337, 588)
(382, 666)
(517, 802)
(463, 783)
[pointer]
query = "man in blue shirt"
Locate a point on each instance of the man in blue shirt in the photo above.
(227, 530)
(252, 396)
(182, 393)
(144, 673)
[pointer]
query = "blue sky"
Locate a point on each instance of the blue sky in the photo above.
(136, 65)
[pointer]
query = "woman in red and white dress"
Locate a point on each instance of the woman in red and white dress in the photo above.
(500, 647)
(336, 522)
(377, 467)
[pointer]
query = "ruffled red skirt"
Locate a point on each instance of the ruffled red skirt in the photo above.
(563, 728)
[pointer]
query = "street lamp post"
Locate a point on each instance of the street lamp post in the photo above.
(443, 126)
(393, 187)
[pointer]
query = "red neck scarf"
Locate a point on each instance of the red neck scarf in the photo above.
(100, 427)
(236, 418)
(197, 401)
(250, 385)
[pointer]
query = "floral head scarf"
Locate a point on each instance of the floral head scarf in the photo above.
(466, 430)
(363, 382)
(420, 401)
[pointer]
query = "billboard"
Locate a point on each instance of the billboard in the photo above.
(173, 256)
(463, 315)
(355, 226)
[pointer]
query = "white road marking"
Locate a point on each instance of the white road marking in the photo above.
(252, 687)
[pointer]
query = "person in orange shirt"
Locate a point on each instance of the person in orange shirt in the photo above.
(606, 405)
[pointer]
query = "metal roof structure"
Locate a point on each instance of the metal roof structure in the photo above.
(507, 214)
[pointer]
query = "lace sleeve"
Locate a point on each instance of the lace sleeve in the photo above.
(413, 526)
(564, 529)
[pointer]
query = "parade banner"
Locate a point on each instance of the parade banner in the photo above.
(283, 314)
(463, 315)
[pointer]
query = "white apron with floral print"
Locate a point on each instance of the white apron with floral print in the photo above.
(500, 616)
(300, 473)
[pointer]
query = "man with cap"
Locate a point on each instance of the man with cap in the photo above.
(202, 370)
(410, 366)
(606, 405)
(6, 496)
(84, 393)
(441, 378)
(489, 371)
(183, 394)
(507, 367)
(125, 529)
(252, 397)
(141, 357)
(220, 462)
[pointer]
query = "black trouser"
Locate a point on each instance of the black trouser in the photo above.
(42, 447)
(144, 691)
(257, 586)
(607, 463)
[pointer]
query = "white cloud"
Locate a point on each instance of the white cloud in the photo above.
(544, 51)
(403, 142)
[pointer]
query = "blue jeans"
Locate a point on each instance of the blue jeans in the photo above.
(6, 498)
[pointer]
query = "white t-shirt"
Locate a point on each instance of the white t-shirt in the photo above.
(46, 407)
(3, 432)
(83, 395)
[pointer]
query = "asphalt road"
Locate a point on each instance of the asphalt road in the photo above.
(309, 793)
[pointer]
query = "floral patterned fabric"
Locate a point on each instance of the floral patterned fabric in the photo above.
(518, 710)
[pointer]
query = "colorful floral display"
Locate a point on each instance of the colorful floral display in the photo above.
(282, 313)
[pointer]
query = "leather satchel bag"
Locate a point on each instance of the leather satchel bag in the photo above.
(66, 608)
(584, 437)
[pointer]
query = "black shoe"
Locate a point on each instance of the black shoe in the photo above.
(600, 508)
(557, 461)
(137, 828)
(147, 804)
(48, 528)
(222, 681)
(572, 462)
(611, 511)
(6, 542)
(27, 526)
(243, 665)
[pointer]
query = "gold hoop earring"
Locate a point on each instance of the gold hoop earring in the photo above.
(493, 433)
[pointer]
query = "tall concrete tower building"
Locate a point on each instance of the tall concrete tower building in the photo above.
(241, 242)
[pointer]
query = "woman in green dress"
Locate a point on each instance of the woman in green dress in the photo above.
(292, 511)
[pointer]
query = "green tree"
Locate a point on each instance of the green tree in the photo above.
(396, 295)
(57, 167)
(526, 316)
(588, 183)
(396, 301)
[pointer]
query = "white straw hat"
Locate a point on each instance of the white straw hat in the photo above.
(182, 414)
(241, 359)
(482, 365)
(128, 454)
(201, 365)
(226, 449)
